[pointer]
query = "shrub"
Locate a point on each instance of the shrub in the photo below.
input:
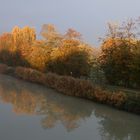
(30, 75)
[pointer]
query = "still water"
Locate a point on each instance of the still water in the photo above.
(32, 112)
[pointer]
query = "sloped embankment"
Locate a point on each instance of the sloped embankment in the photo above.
(76, 87)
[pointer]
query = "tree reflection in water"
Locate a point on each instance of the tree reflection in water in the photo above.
(30, 99)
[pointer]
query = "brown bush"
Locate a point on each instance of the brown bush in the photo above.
(101, 95)
(117, 99)
(30, 75)
(51, 80)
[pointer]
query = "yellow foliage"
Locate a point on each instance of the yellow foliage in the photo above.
(24, 35)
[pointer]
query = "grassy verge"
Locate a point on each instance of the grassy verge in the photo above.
(77, 87)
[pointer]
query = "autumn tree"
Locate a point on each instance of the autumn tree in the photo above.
(69, 56)
(6, 41)
(28, 34)
(6, 48)
(119, 52)
(72, 61)
(116, 59)
(135, 66)
(25, 35)
(38, 58)
(72, 34)
(51, 35)
(9, 54)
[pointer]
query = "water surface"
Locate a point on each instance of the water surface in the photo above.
(32, 112)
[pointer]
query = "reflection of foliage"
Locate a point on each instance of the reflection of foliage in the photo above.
(35, 100)
(31, 100)
(114, 131)
(115, 125)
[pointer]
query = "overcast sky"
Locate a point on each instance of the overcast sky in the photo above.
(89, 17)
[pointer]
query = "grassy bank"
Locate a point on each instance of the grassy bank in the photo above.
(76, 87)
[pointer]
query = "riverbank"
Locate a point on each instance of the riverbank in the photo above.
(76, 87)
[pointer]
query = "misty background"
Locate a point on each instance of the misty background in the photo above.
(89, 17)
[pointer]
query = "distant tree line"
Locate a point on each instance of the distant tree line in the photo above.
(116, 62)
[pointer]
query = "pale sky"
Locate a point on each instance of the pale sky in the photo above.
(89, 17)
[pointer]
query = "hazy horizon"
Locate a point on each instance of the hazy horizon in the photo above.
(89, 17)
